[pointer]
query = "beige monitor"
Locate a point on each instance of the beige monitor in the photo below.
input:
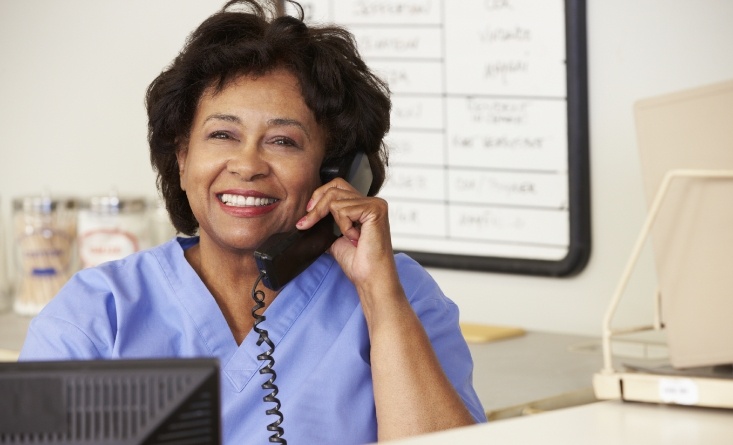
(693, 234)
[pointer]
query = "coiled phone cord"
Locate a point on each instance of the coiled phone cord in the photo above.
(259, 298)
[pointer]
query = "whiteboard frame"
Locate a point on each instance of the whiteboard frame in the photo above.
(579, 247)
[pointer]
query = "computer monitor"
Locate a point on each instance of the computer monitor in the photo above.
(145, 401)
(692, 236)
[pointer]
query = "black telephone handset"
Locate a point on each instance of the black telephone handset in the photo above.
(284, 255)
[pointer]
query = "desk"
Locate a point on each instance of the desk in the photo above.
(599, 423)
(537, 371)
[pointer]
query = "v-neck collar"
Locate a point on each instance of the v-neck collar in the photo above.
(239, 362)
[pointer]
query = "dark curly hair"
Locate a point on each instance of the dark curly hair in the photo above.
(347, 99)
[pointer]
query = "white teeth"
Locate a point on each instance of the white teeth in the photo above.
(245, 201)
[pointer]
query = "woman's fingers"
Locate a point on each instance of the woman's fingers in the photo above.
(352, 212)
(322, 199)
(337, 187)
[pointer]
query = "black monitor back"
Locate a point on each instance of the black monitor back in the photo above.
(155, 401)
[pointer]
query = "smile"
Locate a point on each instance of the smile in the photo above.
(245, 201)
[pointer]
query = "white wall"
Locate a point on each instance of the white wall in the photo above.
(73, 74)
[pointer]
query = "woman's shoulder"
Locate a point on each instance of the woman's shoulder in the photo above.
(417, 282)
(409, 267)
(96, 301)
(411, 271)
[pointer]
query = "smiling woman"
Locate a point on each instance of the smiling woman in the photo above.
(241, 126)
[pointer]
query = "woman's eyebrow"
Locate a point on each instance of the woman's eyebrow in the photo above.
(224, 117)
(282, 121)
(276, 122)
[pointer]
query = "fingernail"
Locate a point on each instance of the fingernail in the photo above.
(309, 206)
(300, 222)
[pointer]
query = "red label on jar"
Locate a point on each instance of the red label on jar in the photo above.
(102, 245)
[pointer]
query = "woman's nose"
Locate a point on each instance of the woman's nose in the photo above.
(248, 163)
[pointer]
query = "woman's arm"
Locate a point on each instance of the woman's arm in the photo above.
(412, 393)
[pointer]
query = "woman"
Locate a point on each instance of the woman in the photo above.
(240, 126)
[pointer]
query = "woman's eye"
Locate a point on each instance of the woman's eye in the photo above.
(220, 135)
(284, 141)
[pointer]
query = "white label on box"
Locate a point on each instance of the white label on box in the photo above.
(679, 391)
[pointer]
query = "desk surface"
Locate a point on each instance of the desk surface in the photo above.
(600, 423)
(536, 371)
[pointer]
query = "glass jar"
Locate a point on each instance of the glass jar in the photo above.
(44, 231)
(110, 228)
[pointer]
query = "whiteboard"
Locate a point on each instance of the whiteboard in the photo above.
(488, 166)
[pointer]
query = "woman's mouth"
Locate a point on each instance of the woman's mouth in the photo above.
(245, 201)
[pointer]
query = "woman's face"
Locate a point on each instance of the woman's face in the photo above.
(252, 160)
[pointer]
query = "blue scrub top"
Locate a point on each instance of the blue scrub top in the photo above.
(152, 304)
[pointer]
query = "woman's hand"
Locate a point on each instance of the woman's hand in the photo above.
(364, 252)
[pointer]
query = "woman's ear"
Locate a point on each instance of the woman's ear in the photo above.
(181, 154)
